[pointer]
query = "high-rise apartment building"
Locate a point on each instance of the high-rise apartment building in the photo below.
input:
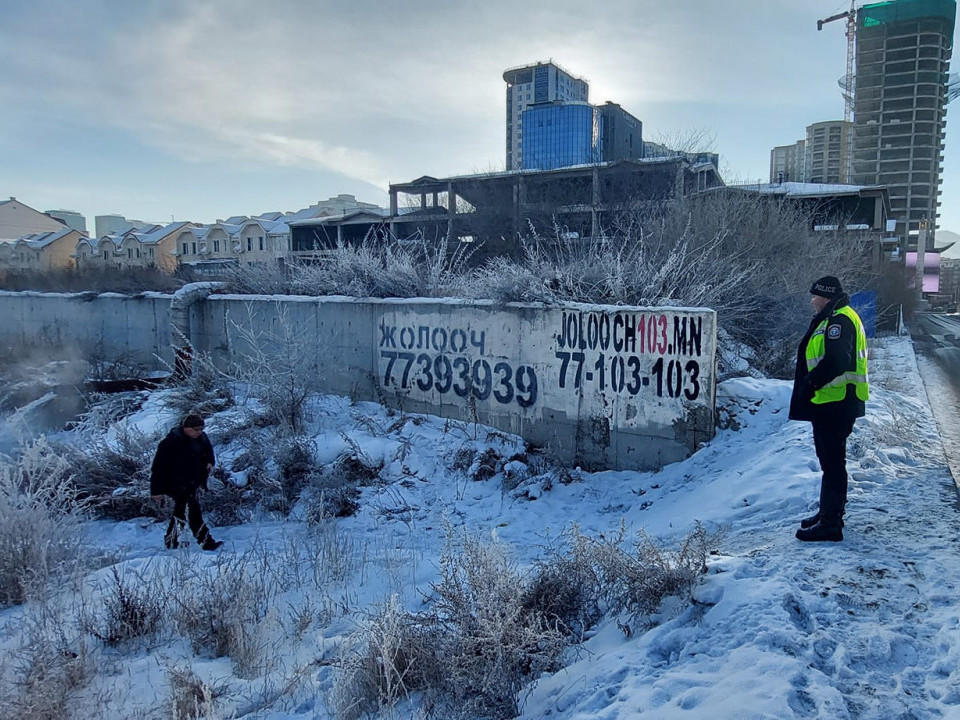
(538, 83)
(902, 59)
(827, 151)
(824, 156)
(786, 163)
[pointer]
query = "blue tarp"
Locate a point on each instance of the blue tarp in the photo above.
(865, 303)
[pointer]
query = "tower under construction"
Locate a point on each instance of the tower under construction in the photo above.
(903, 50)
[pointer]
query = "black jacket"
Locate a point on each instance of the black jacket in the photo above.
(180, 465)
(840, 355)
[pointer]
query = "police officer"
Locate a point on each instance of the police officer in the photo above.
(830, 390)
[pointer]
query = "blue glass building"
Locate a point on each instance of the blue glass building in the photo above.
(561, 134)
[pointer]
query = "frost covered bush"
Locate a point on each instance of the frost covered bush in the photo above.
(639, 582)
(296, 469)
(490, 628)
(40, 532)
(389, 659)
(487, 643)
(470, 653)
(49, 667)
(204, 389)
(275, 367)
(190, 697)
(113, 475)
(222, 608)
(133, 607)
(380, 266)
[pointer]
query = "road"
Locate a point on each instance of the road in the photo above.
(937, 339)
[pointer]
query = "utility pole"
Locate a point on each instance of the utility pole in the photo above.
(921, 250)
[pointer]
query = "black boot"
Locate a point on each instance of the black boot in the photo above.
(820, 533)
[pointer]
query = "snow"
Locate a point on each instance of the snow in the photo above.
(866, 628)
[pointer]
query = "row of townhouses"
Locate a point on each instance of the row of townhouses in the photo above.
(31, 240)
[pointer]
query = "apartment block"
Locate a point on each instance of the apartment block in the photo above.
(902, 61)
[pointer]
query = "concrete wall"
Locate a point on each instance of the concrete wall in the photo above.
(99, 327)
(603, 386)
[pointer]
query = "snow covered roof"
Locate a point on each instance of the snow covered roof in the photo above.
(372, 214)
(38, 241)
(799, 189)
(158, 233)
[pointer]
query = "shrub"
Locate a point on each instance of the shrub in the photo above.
(385, 663)
(470, 653)
(639, 583)
(113, 478)
(41, 529)
(491, 628)
(190, 697)
(204, 389)
(221, 607)
(275, 366)
(51, 664)
(132, 608)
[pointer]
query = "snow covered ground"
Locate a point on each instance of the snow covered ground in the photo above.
(866, 628)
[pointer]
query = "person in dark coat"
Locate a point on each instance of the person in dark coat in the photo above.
(180, 468)
(830, 391)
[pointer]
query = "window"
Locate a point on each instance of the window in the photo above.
(216, 246)
(138, 253)
(106, 254)
(194, 248)
(151, 252)
(184, 248)
(261, 242)
(129, 253)
(249, 243)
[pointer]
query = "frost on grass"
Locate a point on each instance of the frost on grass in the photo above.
(492, 628)
(42, 520)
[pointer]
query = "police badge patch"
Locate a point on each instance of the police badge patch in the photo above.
(833, 332)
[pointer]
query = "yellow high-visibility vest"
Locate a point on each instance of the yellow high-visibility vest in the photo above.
(836, 389)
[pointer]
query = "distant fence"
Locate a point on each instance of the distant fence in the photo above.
(603, 386)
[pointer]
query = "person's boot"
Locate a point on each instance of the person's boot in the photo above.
(205, 539)
(820, 533)
(809, 522)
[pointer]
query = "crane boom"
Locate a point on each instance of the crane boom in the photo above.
(848, 82)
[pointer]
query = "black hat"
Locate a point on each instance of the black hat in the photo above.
(828, 287)
(192, 421)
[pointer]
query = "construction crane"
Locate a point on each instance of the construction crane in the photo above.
(846, 83)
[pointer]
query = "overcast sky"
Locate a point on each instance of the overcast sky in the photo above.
(202, 109)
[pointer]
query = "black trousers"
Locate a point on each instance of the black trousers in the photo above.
(830, 440)
(186, 510)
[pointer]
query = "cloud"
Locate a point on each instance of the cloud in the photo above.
(379, 91)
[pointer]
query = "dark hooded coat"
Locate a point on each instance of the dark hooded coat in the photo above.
(180, 465)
